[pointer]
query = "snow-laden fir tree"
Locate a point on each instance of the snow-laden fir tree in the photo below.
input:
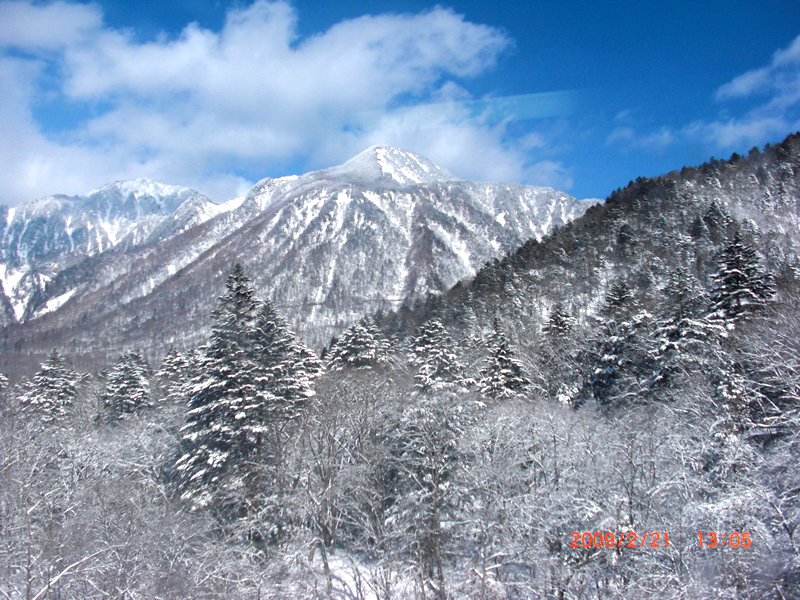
(463, 313)
(172, 370)
(619, 298)
(434, 351)
(620, 364)
(225, 418)
(128, 387)
(558, 356)
(742, 286)
(502, 375)
(716, 220)
(284, 366)
(52, 391)
(176, 376)
(423, 340)
(282, 372)
(359, 347)
(311, 363)
(683, 328)
(560, 322)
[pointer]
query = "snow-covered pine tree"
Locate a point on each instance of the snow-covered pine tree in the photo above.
(619, 298)
(434, 351)
(225, 418)
(177, 377)
(560, 322)
(172, 370)
(620, 361)
(742, 286)
(311, 363)
(284, 366)
(360, 347)
(128, 387)
(683, 328)
(463, 314)
(425, 493)
(717, 220)
(558, 356)
(52, 391)
(502, 377)
(423, 340)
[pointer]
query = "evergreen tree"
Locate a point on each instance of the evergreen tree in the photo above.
(284, 366)
(717, 220)
(233, 316)
(742, 287)
(502, 377)
(560, 322)
(360, 347)
(698, 228)
(311, 363)
(558, 358)
(463, 313)
(683, 329)
(433, 350)
(619, 298)
(225, 419)
(128, 387)
(180, 388)
(621, 365)
(173, 370)
(52, 391)
(425, 492)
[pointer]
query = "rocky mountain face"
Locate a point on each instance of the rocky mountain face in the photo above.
(40, 239)
(140, 264)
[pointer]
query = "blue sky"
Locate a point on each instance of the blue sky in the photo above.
(581, 96)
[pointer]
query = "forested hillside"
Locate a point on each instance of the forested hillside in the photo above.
(609, 412)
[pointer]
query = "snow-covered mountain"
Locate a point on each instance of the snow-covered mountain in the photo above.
(325, 247)
(42, 238)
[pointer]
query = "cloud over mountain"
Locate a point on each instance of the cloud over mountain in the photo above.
(212, 108)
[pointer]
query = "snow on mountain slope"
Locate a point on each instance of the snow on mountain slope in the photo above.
(40, 239)
(391, 167)
(326, 247)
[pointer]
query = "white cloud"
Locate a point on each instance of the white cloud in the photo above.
(203, 107)
(776, 91)
(31, 161)
(740, 133)
(629, 137)
(781, 78)
(53, 26)
(622, 135)
(448, 132)
(773, 110)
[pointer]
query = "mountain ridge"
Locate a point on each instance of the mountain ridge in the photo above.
(331, 245)
(639, 236)
(41, 238)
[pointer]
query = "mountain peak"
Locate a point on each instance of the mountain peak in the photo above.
(390, 166)
(136, 198)
(139, 187)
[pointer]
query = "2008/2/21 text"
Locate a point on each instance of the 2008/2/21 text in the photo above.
(626, 539)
